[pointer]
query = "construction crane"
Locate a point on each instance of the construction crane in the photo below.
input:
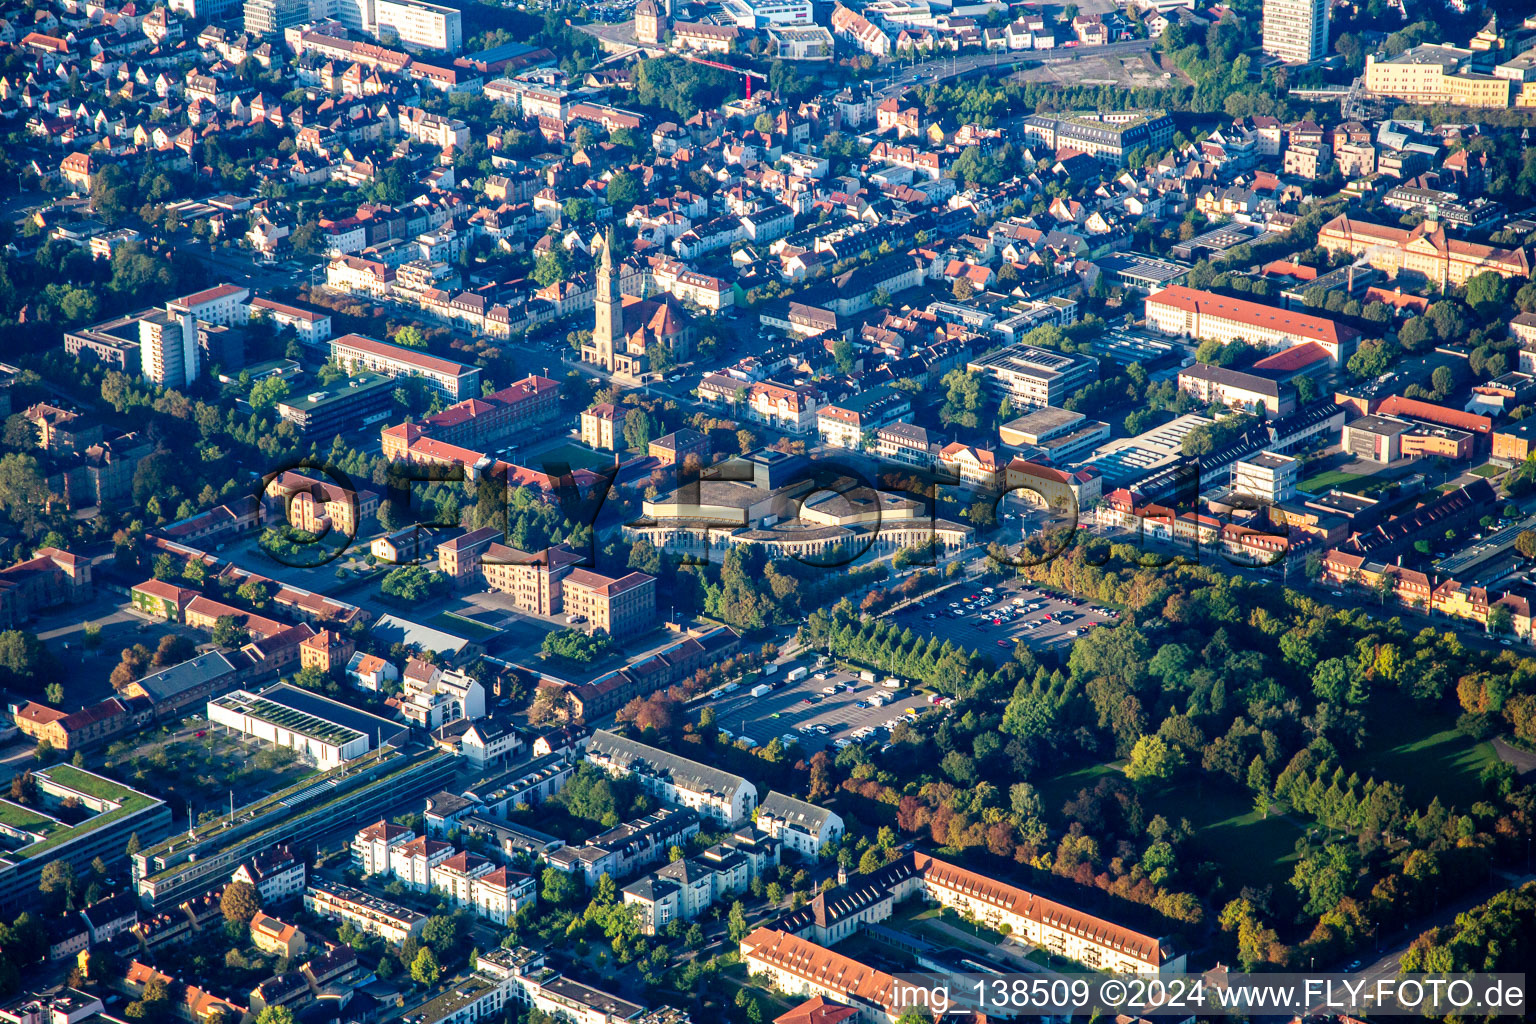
(746, 76)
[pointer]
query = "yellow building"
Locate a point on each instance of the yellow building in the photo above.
(1435, 73)
(1423, 250)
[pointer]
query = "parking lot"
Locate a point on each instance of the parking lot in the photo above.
(987, 618)
(803, 705)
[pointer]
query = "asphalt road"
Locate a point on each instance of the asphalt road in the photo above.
(941, 68)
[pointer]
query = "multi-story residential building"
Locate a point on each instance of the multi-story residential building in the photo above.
(532, 578)
(615, 606)
(791, 408)
(1031, 378)
(168, 352)
(1090, 940)
(1066, 490)
(480, 422)
(367, 913)
(600, 427)
(625, 849)
(686, 888)
(801, 826)
(908, 443)
(50, 578)
(459, 557)
(277, 875)
(434, 695)
(1110, 135)
(728, 799)
(1296, 31)
(455, 380)
(420, 25)
(677, 447)
(312, 327)
(1188, 313)
(849, 423)
(1424, 250)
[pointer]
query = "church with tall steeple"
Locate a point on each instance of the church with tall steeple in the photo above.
(628, 332)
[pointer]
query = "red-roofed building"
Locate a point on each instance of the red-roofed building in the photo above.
(817, 1010)
(1296, 361)
(456, 380)
(1189, 313)
(52, 577)
(1425, 249)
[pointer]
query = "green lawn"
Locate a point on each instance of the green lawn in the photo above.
(464, 626)
(1227, 828)
(17, 816)
(1058, 789)
(1424, 753)
(1337, 479)
(1488, 469)
(1231, 832)
(87, 783)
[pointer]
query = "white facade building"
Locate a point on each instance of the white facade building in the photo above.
(800, 826)
(419, 24)
(728, 799)
(1296, 31)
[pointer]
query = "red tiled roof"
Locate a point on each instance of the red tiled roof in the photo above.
(1255, 314)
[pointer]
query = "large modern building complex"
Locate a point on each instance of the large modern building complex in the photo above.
(1031, 377)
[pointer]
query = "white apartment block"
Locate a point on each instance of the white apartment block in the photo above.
(420, 25)
(1296, 31)
(686, 888)
(728, 799)
(455, 380)
(423, 864)
(364, 911)
(433, 696)
(800, 826)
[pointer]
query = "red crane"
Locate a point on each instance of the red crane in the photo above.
(746, 76)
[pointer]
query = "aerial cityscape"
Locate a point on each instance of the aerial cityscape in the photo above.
(766, 511)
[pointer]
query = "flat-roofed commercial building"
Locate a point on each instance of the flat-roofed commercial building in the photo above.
(114, 343)
(323, 732)
(456, 380)
(341, 406)
(1032, 378)
(1138, 272)
(1266, 476)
